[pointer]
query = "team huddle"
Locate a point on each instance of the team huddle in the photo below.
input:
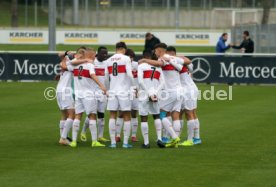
(159, 85)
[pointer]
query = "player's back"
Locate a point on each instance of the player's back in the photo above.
(171, 75)
(83, 82)
(65, 81)
(151, 75)
(134, 66)
(118, 65)
(101, 70)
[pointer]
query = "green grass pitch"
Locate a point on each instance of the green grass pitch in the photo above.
(239, 145)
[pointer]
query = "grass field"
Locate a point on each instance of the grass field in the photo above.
(239, 145)
(12, 47)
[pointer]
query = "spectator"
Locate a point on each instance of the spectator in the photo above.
(221, 46)
(151, 41)
(247, 45)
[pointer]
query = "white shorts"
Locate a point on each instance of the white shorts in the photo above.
(190, 98)
(135, 104)
(172, 101)
(119, 102)
(87, 105)
(65, 101)
(101, 106)
(147, 107)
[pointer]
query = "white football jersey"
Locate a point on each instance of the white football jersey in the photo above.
(150, 77)
(120, 73)
(65, 81)
(66, 78)
(83, 83)
(171, 74)
(101, 71)
(134, 65)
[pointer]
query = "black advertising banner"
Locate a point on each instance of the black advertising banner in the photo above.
(207, 69)
(19, 66)
(227, 69)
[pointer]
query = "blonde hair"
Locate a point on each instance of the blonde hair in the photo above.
(92, 50)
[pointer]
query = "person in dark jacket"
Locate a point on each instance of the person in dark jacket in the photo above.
(151, 41)
(247, 45)
(221, 46)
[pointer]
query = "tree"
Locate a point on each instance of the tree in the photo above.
(267, 4)
(14, 13)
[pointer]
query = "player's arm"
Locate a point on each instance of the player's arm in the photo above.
(176, 62)
(188, 63)
(140, 78)
(63, 65)
(161, 82)
(129, 71)
(81, 61)
(95, 78)
(106, 78)
(155, 63)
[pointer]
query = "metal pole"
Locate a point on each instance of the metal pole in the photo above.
(176, 14)
(26, 13)
(232, 3)
(210, 4)
(97, 13)
(253, 3)
(132, 13)
(204, 13)
(76, 12)
(52, 25)
(61, 12)
(86, 14)
(35, 13)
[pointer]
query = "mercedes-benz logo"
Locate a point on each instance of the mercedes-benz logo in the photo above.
(2, 66)
(202, 69)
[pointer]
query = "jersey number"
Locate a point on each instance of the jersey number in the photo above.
(153, 71)
(79, 74)
(115, 69)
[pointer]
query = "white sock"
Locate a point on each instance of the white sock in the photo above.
(196, 128)
(145, 132)
(170, 119)
(176, 127)
(76, 128)
(127, 129)
(67, 126)
(100, 127)
(112, 130)
(134, 126)
(181, 126)
(61, 126)
(93, 130)
(164, 132)
(168, 126)
(158, 127)
(85, 125)
(119, 125)
(190, 129)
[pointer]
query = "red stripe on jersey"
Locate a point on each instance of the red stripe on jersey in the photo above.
(135, 74)
(99, 71)
(83, 73)
(184, 70)
(148, 74)
(120, 69)
(168, 67)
